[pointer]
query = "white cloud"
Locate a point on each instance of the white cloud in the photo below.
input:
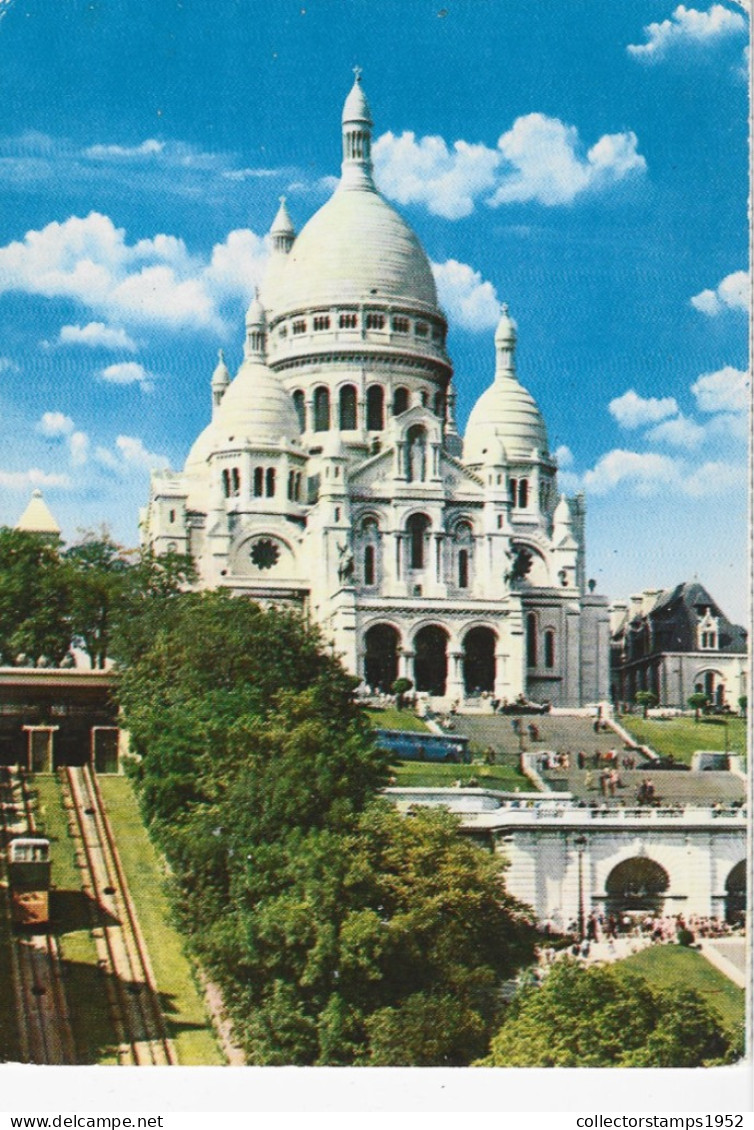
(8, 366)
(649, 473)
(563, 456)
(128, 373)
(96, 335)
(427, 171)
(34, 477)
(687, 27)
(733, 293)
(539, 158)
(633, 411)
(544, 162)
(148, 148)
(79, 445)
(679, 431)
(55, 424)
(154, 281)
(726, 390)
(130, 455)
(467, 299)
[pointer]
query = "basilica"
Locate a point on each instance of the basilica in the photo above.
(332, 477)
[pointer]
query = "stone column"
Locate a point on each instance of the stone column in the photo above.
(455, 688)
(406, 665)
(502, 687)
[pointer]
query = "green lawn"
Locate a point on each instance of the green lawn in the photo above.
(392, 719)
(682, 736)
(674, 966)
(422, 774)
(183, 1004)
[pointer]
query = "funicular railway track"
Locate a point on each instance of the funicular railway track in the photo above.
(139, 1025)
(44, 1028)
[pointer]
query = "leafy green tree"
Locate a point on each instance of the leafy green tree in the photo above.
(698, 700)
(336, 927)
(98, 573)
(400, 689)
(743, 703)
(34, 598)
(603, 1017)
(646, 699)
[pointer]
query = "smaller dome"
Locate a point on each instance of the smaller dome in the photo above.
(356, 107)
(256, 314)
(221, 376)
(562, 515)
(255, 409)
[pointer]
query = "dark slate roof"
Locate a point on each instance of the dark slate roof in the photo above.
(677, 612)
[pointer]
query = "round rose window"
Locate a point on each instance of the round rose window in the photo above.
(264, 554)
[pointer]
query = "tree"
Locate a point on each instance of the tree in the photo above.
(603, 1017)
(743, 703)
(400, 689)
(698, 700)
(98, 577)
(646, 699)
(34, 598)
(341, 932)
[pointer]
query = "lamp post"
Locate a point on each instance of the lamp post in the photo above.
(580, 843)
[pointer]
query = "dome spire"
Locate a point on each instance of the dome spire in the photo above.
(357, 139)
(505, 345)
(282, 232)
(220, 380)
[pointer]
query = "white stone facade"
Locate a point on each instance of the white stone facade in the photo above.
(332, 475)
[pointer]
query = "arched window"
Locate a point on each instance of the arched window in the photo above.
(270, 482)
(291, 480)
(369, 571)
(347, 408)
(299, 403)
(236, 479)
(463, 568)
(375, 408)
(258, 482)
(417, 527)
(523, 493)
(321, 409)
(512, 490)
(531, 639)
(226, 483)
(440, 405)
(400, 400)
(297, 487)
(549, 648)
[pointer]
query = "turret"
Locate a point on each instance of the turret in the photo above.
(220, 381)
(255, 348)
(357, 139)
(282, 232)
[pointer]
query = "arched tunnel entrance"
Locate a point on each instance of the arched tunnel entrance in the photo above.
(636, 885)
(381, 658)
(431, 659)
(735, 894)
(479, 661)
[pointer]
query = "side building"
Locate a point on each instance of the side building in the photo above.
(677, 642)
(332, 476)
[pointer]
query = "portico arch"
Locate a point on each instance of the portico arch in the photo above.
(431, 661)
(735, 894)
(381, 643)
(636, 885)
(479, 660)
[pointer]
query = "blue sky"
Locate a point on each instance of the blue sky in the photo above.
(583, 160)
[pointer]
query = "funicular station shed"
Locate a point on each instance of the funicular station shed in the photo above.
(51, 717)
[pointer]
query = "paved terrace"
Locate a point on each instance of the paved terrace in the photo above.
(573, 733)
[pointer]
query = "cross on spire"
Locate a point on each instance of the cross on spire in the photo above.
(357, 73)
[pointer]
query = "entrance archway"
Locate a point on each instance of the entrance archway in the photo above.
(381, 657)
(735, 894)
(479, 660)
(431, 659)
(636, 885)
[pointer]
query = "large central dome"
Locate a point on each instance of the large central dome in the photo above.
(356, 249)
